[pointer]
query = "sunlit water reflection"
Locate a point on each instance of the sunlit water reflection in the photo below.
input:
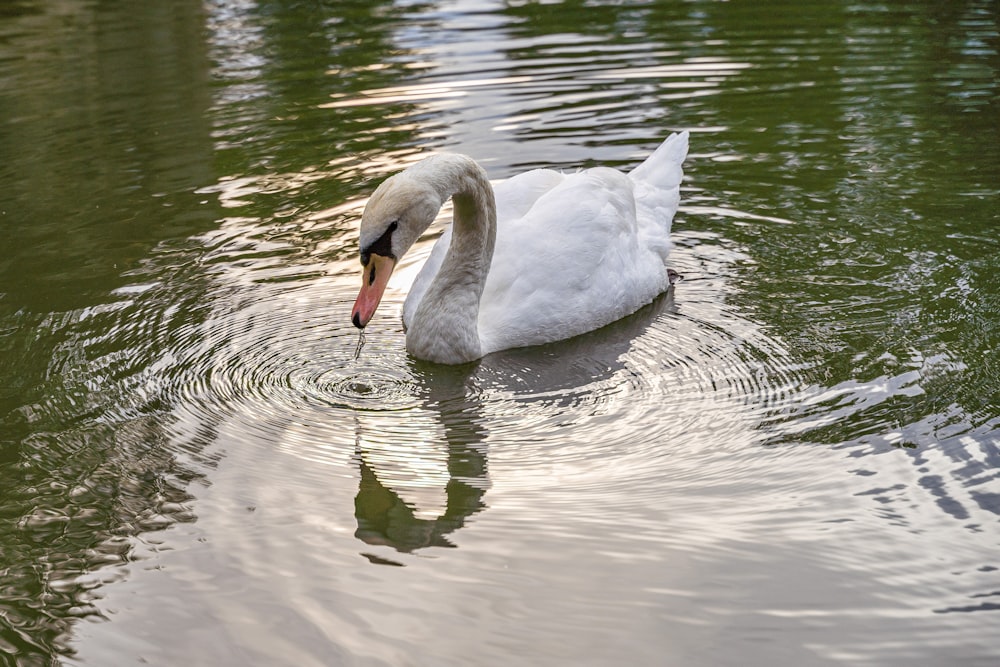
(789, 458)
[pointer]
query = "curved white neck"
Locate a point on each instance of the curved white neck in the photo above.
(445, 326)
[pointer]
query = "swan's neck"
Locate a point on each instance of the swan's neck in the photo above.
(445, 326)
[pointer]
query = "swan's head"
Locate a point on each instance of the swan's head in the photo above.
(399, 211)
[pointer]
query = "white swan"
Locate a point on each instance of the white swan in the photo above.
(541, 257)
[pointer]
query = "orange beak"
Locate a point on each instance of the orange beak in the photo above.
(375, 276)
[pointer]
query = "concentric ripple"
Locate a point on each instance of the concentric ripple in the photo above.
(360, 392)
(279, 363)
(287, 373)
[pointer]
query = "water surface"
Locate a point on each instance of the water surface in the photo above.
(792, 457)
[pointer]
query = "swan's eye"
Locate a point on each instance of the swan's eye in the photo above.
(382, 245)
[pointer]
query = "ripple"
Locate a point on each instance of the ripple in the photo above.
(363, 391)
(278, 363)
(270, 359)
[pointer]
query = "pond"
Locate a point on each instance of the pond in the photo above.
(791, 457)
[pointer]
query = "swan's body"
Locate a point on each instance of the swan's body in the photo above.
(541, 257)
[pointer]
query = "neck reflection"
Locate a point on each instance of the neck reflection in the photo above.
(423, 471)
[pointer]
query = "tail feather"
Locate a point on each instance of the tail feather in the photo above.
(663, 169)
(658, 193)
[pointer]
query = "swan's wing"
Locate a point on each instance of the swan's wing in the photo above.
(516, 195)
(514, 198)
(572, 263)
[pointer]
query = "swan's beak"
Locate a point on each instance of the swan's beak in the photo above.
(375, 276)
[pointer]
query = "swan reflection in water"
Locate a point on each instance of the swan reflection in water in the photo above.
(415, 490)
(424, 472)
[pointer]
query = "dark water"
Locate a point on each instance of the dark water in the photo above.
(791, 458)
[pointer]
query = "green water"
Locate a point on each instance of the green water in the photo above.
(792, 458)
